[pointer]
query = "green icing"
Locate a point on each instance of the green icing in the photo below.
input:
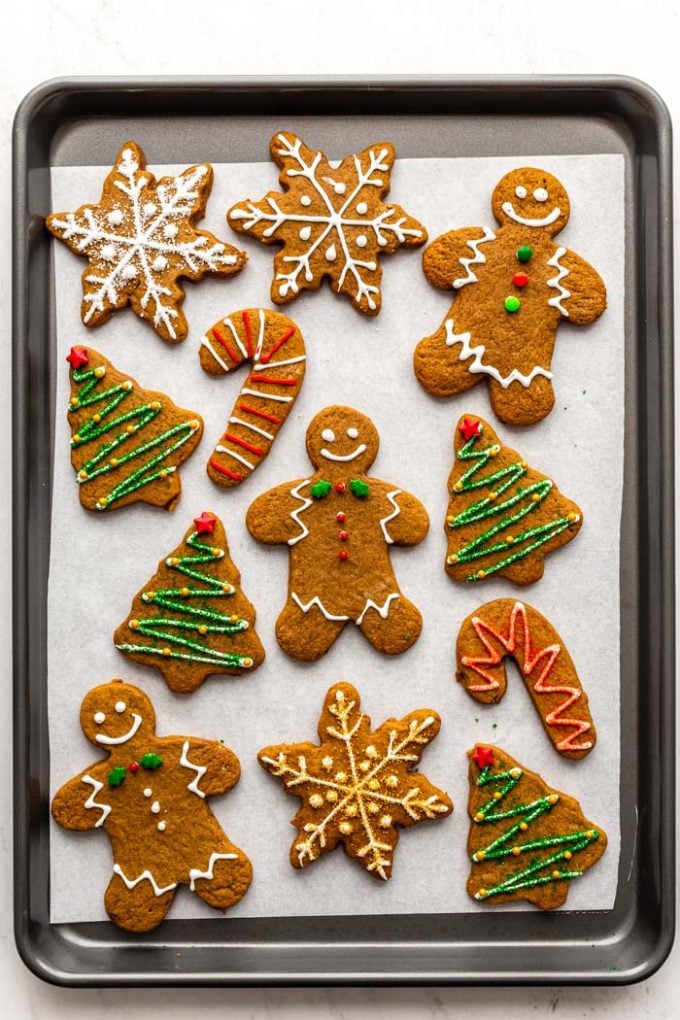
(359, 488)
(116, 776)
(321, 489)
(150, 761)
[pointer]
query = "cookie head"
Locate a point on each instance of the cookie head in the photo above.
(342, 438)
(115, 714)
(531, 198)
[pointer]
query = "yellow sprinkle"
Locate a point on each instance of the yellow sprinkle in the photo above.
(453, 558)
(493, 450)
(509, 539)
(114, 462)
(345, 828)
(99, 372)
(479, 856)
(155, 405)
(523, 826)
(331, 796)
(450, 519)
(173, 561)
(572, 517)
(149, 595)
(522, 463)
(458, 486)
(193, 424)
(493, 495)
(217, 553)
(96, 417)
(163, 473)
(76, 438)
(133, 624)
(481, 574)
(567, 855)
(556, 874)
(481, 894)
(479, 816)
(166, 651)
(515, 773)
(202, 629)
(497, 795)
(247, 662)
(234, 618)
(185, 591)
(535, 497)
(591, 833)
(100, 504)
(553, 798)
(82, 474)
(516, 851)
(129, 429)
(227, 587)
(127, 385)
(74, 401)
(373, 784)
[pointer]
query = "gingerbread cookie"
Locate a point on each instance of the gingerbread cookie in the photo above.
(274, 347)
(149, 796)
(191, 620)
(503, 516)
(140, 239)
(513, 286)
(357, 784)
(507, 628)
(127, 443)
(526, 840)
(339, 525)
(330, 220)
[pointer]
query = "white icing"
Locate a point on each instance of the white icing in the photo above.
(155, 808)
(362, 207)
(237, 339)
(382, 611)
(92, 803)
(148, 791)
(161, 826)
(271, 364)
(353, 433)
(170, 230)
(295, 514)
(521, 191)
(331, 253)
(101, 738)
(361, 240)
(260, 335)
(478, 351)
(509, 211)
(237, 456)
(200, 771)
(541, 195)
(343, 457)
(305, 233)
(328, 436)
(305, 200)
(253, 428)
(478, 258)
(108, 252)
(120, 706)
(315, 601)
(563, 293)
(99, 718)
(392, 497)
(268, 396)
(145, 876)
(142, 243)
(196, 873)
(205, 342)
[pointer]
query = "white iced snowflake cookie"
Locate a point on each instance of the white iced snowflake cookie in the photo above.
(330, 220)
(140, 239)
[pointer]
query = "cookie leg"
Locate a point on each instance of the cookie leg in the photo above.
(398, 631)
(229, 882)
(136, 909)
(438, 368)
(522, 405)
(306, 636)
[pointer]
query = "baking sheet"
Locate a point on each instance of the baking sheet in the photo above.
(365, 363)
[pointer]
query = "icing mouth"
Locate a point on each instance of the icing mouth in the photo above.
(509, 210)
(347, 456)
(101, 738)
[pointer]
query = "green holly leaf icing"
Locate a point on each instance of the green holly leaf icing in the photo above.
(116, 776)
(321, 489)
(359, 488)
(150, 761)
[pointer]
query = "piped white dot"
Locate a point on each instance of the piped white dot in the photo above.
(129, 273)
(161, 826)
(361, 240)
(99, 718)
(340, 188)
(305, 200)
(305, 233)
(353, 433)
(159, 263)
(170, 230)
(331, 253)
(541, 195)
(155, 807)
(120, 706)
(115, 217)
(148, 791)
(108, 252)
(328, 436)
(362, 207)
(521, 191)
(149, 208)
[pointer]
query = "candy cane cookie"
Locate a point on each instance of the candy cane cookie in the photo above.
(505, 627)
(274, 348)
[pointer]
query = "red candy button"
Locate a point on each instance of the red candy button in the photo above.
(134, 766)
(340, 517)
(343, 554)
(340, 486)
(343, 536)
(520, 279)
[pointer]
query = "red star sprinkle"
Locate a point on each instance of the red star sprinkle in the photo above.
(469, 428)
(483, 756)
(77, 357)
(205, 524)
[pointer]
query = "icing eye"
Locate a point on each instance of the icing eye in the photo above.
(120, 706)
(328, 436)
(353, 433)
(99, 718)
(521, 191)
(541, 195)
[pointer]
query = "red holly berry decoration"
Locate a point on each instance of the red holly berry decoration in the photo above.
(483, 756)
(340, 517)
(470, 427)
(134, 766)
(520, 279)
(343, 554)
(77, 357)
(340, 486)
(205, 524)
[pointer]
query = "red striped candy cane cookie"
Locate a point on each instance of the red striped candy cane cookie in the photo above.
(275, 349)
(505, 627)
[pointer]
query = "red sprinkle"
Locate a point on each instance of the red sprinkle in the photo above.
(520, 279)
(339, 486)
(340, 517)
(343, 536)
(134, 766)
(343, 554)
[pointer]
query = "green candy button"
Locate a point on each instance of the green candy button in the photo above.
(512, 303)
(524, 253)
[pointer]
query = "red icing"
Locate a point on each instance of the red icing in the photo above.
(272, 381)
(77, 357)
(340, 517)
(134, 766)
(483, 756)
(343, 536)
(343, 554)
(470, 427)
(339, 486)
(279, 343)
(235, 476)
(274, 419)
(221, 340)
(520, 279)
(257, 450)
(205, 524)
(249, 334)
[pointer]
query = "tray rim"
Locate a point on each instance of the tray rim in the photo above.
(26, 937)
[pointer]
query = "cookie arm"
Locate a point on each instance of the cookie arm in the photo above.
(212, 767)
(443, 259)
(407, 521)
(81, 803)
(274, 516)
(579, 291)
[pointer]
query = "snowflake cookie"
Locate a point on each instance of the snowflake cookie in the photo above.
(140, 239)
(331, 221)
(357, 785)
(149, 795)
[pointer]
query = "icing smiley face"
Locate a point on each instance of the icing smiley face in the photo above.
(342, 438)
(531, 198)
(116, 713)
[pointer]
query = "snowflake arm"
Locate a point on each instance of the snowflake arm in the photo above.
(330, 220)
(140, 239)
(356, 786)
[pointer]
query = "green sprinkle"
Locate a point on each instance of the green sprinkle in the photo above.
(358, 488)
(150, 761)
(524, 252)
(512, 303)
(116, 776)
(321, 489)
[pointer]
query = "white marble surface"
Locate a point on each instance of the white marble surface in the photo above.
(46, 38)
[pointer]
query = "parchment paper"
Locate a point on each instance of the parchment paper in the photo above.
(99, 562)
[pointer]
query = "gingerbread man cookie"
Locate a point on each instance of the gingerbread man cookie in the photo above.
(513, 287)
(149, 796)
(339, 525)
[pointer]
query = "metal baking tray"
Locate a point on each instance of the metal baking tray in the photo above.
(81, 121)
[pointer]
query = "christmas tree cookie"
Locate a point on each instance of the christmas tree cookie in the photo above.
(507, 629)
(191, 620)
(357, 784)
(140, 239)
(526, 840)
(513, 286)
(126, 442)
(331, 221)
(503, 516)
(339, 525)
(149, 795)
